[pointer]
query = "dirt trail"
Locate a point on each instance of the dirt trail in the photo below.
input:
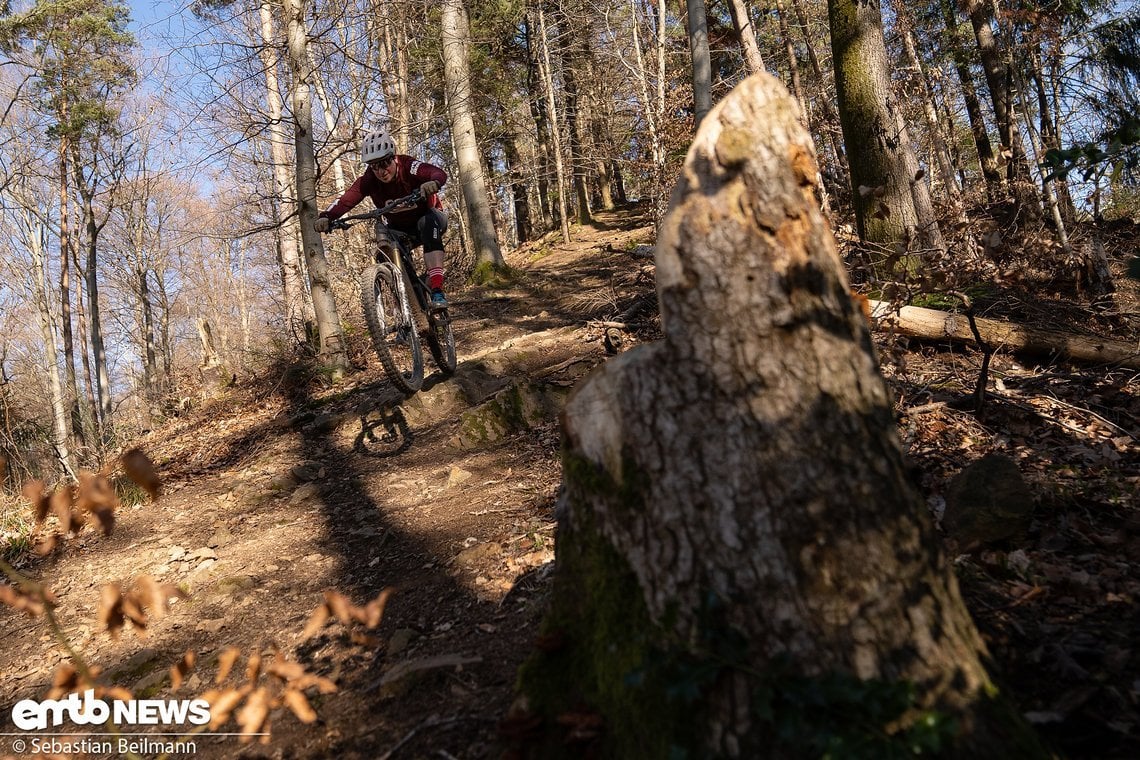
(274, 495)
(287, 488)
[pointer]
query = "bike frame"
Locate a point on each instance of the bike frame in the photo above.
(400, 241)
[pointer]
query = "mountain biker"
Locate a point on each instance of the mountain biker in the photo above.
(389, 176)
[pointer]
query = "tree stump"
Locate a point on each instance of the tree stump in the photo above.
(743, 566)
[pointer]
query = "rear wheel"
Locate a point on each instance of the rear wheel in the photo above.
(392, 327)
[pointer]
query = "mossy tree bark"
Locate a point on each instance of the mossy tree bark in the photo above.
(737, 524)
(891, 199)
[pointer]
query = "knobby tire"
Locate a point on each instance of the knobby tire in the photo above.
(392, 327)
(441, 341)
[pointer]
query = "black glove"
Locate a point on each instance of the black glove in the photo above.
(429, 188)
(321, 225)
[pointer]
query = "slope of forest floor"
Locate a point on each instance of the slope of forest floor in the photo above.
(287, 488)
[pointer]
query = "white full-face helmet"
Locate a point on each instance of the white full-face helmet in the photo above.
(376, 145)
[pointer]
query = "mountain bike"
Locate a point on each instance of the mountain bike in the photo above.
(385, 285)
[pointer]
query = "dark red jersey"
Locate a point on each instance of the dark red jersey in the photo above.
(410, 174)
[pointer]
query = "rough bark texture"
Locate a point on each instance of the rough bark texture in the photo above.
(292, 276)
(735, 495)
(320, 284)
(456, 33)
(891, 199)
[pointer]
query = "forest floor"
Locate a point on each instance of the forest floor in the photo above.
(287, 487)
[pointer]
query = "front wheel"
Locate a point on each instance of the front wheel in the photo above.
(441, 341)
(392, 327)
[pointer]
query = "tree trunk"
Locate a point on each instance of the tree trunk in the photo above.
(456, 33)
(547, 75)
(292, 278)
(702, 61)
(1000, 85)
(521, 202)
(60, 403)
(328, 318)
(571, 58)
(805, 114)
(740, 545)
(536, 91)
(71, 382)
(891, 199)
(986, 158)
(1005, 336)
(742, 22)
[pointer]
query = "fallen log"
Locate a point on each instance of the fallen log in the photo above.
(933, 324)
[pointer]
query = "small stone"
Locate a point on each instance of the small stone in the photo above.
(456, 476)
(988, 501)
(400, 640)
(221, 537)
(211, 626)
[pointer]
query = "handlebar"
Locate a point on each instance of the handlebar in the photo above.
(344, 222)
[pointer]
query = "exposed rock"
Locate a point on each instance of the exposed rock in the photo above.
(520, 407)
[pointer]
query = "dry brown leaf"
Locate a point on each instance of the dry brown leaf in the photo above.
(300, 706)
(180, 669)
(156, 596)
(252, 716)
(61, 501)
(224, 704)
(64, 681)
(19, 600)
(253, 669)
(140, 469)
(340, 606)
(110, 609)
(46, 544)
(133, 610)
(374, 610)
(106, 518)
(115, 692)
(97, 496)
(226, 662)
(316, 622)
(37, 496)
(285, 670)
(364, 640)
(324, 685)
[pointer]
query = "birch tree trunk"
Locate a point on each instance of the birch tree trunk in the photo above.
(737, 524)
(71, 383)
(456, 34)
(288, 233)
(320, 285)
(60, 403)
(547, 75)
